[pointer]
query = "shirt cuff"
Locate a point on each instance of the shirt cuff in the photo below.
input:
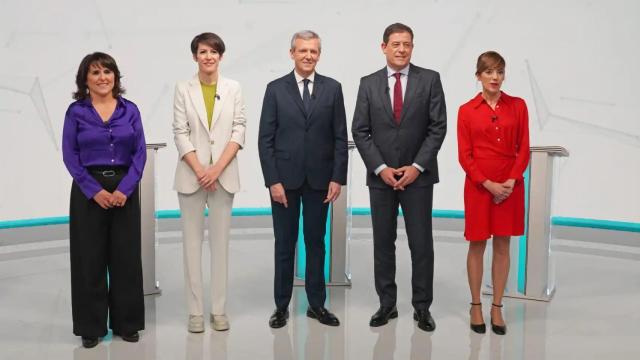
(379, 169)
(418, 167)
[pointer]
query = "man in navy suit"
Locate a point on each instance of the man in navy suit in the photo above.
(303, 153)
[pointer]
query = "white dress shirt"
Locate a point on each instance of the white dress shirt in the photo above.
(392, 81)
(300, 82)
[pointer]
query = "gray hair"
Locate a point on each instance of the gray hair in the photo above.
(305, 35)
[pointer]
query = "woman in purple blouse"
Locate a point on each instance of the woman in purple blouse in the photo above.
(103, 148)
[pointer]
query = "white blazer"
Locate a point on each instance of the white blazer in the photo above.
(191, 131)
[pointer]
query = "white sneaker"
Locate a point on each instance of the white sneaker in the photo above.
(196, 323)
(219, 322)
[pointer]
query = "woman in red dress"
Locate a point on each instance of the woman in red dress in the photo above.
(493, 149)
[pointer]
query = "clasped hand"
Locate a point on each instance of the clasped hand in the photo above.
(399, 178)
(500, 191)
(207, 178)
(107, 200)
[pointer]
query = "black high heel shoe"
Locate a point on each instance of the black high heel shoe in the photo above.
(498, 329)
(478, 328)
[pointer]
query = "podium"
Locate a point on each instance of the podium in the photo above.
(337, 270)
(148, 221)
(532, 271)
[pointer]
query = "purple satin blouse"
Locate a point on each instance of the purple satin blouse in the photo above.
(87, 141)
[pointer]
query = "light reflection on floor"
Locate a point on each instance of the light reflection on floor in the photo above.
(594, 314)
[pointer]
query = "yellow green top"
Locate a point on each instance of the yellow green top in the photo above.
(209, 94)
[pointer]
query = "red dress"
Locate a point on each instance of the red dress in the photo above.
(494, 145)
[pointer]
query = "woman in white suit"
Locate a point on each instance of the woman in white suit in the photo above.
(208, 126)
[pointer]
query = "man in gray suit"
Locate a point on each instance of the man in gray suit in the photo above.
(302, 143)
(398, 126)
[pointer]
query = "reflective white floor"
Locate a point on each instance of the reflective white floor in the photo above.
(595, 313)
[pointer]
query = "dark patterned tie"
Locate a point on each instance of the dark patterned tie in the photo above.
(306, 96)
(397, 98)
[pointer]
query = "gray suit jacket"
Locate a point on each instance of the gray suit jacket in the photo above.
(418, 137)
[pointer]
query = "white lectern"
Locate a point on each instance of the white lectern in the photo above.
(148, 221)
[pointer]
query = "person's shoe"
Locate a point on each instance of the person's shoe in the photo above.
(477, 328)
(382, 316)
(89, 341)
(498, 329)
(323, 315)
(133, 337)
(279, 318)
(196, 323)
(219, 322)
(424, 319)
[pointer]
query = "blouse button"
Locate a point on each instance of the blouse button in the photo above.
(498, 139)
(113, 160)
(496, 129)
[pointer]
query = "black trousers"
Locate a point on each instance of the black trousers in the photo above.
(105, 241)
(285, 229)
(416, 203)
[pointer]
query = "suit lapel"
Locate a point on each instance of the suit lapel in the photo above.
(221, 98)
(294, 92)
(412, 86)
(384, 93)
(197, 100)
(318, 87)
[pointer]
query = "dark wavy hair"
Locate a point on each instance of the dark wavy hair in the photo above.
(104, 60)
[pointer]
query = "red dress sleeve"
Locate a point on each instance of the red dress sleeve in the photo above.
(465, 150)
(522, 147)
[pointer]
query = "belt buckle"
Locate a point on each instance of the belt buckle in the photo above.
(108, 173)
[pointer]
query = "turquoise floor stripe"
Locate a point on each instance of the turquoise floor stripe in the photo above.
(596, 224)
(56, 220)
(446, 214)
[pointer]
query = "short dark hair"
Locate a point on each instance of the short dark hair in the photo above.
(489, 60)
(395, 28)
(208, 38)
(104, 60)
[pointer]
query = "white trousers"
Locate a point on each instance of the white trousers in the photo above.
(192, 207)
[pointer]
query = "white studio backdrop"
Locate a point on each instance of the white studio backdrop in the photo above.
(574, 62)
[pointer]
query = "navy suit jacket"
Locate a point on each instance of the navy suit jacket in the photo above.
(295, 145)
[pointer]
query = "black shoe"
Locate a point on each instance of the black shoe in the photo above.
(382, 316)
(478, 328)
(133, 337)
(322, 315)
(89, 342)
(279, 318)
(498, 329)
(424, 319)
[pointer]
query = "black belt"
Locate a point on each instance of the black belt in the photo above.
(108, 171)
